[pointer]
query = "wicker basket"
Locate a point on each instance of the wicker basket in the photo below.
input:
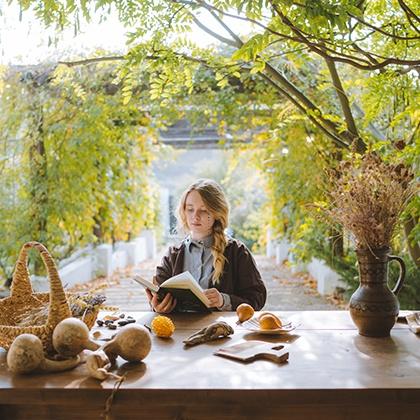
(22, 300)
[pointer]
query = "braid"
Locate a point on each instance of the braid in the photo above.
(219, 245)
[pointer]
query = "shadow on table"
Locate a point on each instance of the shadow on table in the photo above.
(283, 338)
(372, 346)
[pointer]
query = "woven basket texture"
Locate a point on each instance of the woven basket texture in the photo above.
(23, 301)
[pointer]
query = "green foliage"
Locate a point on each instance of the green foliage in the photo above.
(380, 35)
(294, 174)
(315, 239)
(245, 189)
(409, 296)
(275, 83)
(76, 167)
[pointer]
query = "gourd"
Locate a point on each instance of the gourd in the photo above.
(269, 321)
(26, 354)
(71, 336)
(132, 343)
(244, 312)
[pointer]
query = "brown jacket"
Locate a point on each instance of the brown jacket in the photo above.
(241, 279)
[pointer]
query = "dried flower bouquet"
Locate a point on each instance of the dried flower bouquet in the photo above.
(368, 196)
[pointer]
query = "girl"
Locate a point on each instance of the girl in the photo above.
(224, 267)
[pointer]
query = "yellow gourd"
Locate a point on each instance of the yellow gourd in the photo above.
(163, 326)
(244, 312)
(270, 322)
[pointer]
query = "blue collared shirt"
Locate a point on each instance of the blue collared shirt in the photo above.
(198, 260)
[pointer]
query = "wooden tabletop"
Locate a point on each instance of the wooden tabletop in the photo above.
(330, 365)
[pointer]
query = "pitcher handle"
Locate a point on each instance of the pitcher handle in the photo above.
(401, 278)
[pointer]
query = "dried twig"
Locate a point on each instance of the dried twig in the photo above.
(367, 197)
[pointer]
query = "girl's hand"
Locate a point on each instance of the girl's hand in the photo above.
(164, 306)
(214, 297)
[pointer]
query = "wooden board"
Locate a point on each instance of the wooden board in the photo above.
(253, 350)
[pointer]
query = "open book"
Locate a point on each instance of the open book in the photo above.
(188, 293)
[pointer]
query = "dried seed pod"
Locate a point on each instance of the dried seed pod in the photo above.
(126, 322)
(96, 334)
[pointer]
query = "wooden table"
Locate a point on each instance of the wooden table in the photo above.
(332, 373)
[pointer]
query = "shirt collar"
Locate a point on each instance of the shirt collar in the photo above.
(206, 242)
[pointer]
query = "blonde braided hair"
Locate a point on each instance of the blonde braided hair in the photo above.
(216, 203)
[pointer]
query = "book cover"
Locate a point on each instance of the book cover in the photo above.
(183, 287)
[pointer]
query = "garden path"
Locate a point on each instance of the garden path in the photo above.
(286, 291)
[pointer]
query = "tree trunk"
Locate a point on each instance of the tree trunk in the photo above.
(97, 229)
(38, 178)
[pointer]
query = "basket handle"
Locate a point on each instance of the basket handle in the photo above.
(21, 285)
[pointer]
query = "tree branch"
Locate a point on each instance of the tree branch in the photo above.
(410, 15)
(289, 90)
(308, 105)
(304, 110)
(320, 50)
(285, 53)
(205, 28)
(407, 9)
(238, 40)
(408, 12)
(321, 44)
(345, 105)
(92, 60)
(292, 92)
(365, 53)
(414, 133)
(212, 33)
(244, 19)
(88, 61)
(369, 25)
(317, 123)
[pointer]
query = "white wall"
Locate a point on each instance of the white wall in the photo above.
(102, 261)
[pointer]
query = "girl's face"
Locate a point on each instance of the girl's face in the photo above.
(200, 221)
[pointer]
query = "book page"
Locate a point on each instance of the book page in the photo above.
(185, 280)
(146, 283)
(185, 277)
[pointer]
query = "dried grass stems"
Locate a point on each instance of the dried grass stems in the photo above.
(368, 196)
(80, 305)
